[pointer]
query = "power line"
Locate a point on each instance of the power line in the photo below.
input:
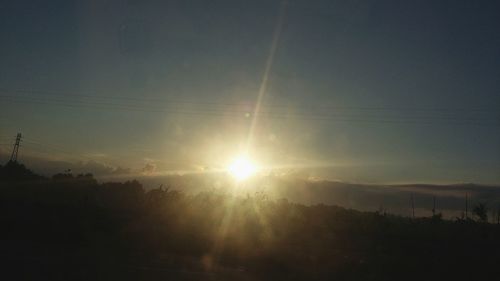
(49, 147)
(211, 110)
(176, 102)
(342, 117)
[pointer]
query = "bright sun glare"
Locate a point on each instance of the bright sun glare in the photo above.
(241, 168)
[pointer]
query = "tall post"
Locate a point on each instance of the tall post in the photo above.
(434, 206)
(412, 206)
(15, 149)
(466, 206)
(498, 214)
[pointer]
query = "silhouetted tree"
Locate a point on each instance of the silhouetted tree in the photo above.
(14, 171)
(267, 238)
(62, 176)
(481, 211)
(437, 217)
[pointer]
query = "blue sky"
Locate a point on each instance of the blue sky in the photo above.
(365, 91)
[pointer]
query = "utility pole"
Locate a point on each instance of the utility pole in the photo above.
(434, 206)
(15, 150)
(412, 206)
(466, 205)
(498, 214)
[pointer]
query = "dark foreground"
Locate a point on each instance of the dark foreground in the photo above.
(72, 228)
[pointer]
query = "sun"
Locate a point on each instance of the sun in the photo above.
(242, 168)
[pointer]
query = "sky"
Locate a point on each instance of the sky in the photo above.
(358, 91)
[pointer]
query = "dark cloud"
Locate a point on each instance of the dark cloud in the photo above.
(149, 169)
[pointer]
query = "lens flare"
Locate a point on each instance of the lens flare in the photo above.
(242, 168)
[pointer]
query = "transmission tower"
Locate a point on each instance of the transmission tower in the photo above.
(15, 150)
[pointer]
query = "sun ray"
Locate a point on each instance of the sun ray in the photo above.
(269, 63)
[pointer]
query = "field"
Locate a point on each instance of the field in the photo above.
(74, 228)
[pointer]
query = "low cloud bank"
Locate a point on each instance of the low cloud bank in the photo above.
(396, 199)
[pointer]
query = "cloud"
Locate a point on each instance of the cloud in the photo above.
(121, 171)
(149, 169)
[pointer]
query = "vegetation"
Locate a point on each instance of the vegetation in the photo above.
(481, 211)
(74, 228)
